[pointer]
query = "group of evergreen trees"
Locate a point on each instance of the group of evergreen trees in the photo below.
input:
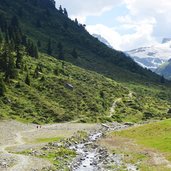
(42, 3)
(13, 46)
(60, 48)
(63, 11)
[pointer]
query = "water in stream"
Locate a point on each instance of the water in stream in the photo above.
(91, 157)
(87, 162)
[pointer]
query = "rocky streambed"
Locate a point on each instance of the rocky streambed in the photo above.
(92, 157)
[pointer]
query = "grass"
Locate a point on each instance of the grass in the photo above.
(141, 144)
(48, 140)
(61, 156)
(49, 100)
(132, 153)
(155, 135)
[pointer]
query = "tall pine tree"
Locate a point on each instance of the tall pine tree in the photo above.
(65, 12)
(49, 47)
(60, 51)
(2, 87)
(27, 79)
(19, 58)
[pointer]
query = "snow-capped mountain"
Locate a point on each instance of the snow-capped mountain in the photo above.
(102, 39)
(152, 57)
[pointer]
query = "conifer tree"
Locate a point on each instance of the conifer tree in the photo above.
(6, 36)
(38, 24)
(15, 32)
(65, 12)
(39, 44)
(36, 53)
(49, 47)
(76, 21)
(74, 53)
(15, 22)
(19, 58)
(36, 73)
(32, 49)
(60, 9)
(8, 63)
(27, 79)
(60, 51)
(2, 87)
(65, 25)
(1, 39)
(24, 41)
(11, 72)
(3, 58)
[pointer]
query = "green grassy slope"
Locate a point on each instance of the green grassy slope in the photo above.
(45, 22)
(51, 97)
(155, 135)
(144, 102)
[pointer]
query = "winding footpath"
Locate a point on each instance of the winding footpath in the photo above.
(114, 105)
(22, 162)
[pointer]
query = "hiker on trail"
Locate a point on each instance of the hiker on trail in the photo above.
(37, 127)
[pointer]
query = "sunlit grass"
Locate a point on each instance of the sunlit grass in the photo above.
(155, 135)
(48, 140)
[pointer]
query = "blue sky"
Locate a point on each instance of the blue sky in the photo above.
(126, 24)
(108, 18)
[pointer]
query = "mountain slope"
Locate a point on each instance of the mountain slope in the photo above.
(63, 92)
(165, 69)
(42, 22)
(152, 57)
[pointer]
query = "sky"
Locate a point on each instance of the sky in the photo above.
(126, 24)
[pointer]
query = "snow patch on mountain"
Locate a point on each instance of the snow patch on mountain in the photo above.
(152, 57)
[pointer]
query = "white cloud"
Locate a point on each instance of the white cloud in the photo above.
(113, 37)
(158, 9)
(82, 9)
(148, 7)
(142, 36)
